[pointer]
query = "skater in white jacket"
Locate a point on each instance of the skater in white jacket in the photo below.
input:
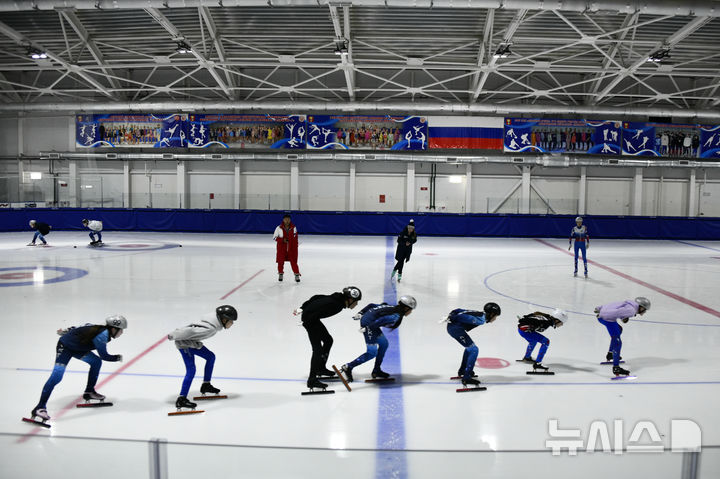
(96, 227)
(188, 340)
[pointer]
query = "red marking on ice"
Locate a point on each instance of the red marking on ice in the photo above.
(79, 399)
(658, 289)
(16, 276)
(242, 284)
(492, 363)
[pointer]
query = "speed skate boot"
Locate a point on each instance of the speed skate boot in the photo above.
(618, 371)
(315, 383)
(280, 276)
(399, 277)
(40, 413)
(461, 371)
(470, 382)
(92, 395)
(326, 373)
(347, 372)
(526, 359)
(380, 374)
(609, 356)
(184, 402)
(297, 278)
(208, 388)
(539, 367)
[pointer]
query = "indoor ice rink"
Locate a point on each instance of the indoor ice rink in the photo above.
(184, 131)
(267, 429)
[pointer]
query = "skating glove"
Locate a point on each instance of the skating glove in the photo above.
(297, 311)
(444, 319)
(118, 358)
(357, 316)
(625, 320)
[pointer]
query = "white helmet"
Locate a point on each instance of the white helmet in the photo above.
(32, 222)
(579, 218)
(116, 321)
(408, 301)
(561, 315)
(644, 302)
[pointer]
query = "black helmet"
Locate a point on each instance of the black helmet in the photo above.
(226, 312)
(352, 293)
(491, 309)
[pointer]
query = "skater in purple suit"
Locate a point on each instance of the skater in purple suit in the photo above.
(608, 314)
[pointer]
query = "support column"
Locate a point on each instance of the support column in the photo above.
(21, 163)
(468, 188)
(351, 187)
(181, 177)
(294, 185)
(525, 190)
(73, 184)
(126, 184)
(237, 185)
(410, 187)
(582, 194)
(637, 192)
(692, 194)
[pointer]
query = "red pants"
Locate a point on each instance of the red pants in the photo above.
(293, 265)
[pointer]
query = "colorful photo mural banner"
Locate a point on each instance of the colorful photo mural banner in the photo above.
(532, 135)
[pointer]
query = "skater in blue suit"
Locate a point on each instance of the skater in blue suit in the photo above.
(531, 325)
(608, 314)
(460, 321)
(79, 342)
(372, 317)
(582, 241)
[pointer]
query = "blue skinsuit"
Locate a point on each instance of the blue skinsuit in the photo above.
(460, 321)
(375, 316)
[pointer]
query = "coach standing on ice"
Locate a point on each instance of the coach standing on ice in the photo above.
(286, 237)
(405, 243)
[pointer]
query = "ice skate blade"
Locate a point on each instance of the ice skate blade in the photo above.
(328, 378)
(627, 378)
(526, 361)
(460, 377)
(380, 380)
(544, 373)
(37, 423)
(95, 404)
(203, 398)
(180, 413)
(342, 378)
(322, 391)
(471, 389)
(610, 362)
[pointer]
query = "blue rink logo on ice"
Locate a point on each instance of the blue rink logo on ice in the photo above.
(644, 436)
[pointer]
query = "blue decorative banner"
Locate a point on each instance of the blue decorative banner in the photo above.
(367, 132)
(710, 141)
(560, 136)
(639, 139)
(123, 130)
(247, 131)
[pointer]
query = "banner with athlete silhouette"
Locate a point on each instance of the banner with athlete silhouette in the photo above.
(340, 132)
(533, 135)
(638, 139)
(129, 130)
(246, 131)
(709, 141)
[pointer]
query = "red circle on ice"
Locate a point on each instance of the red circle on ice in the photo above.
(492, 363)
(16, 276)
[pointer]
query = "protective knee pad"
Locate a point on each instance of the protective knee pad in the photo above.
(472, 349)
(372, 349)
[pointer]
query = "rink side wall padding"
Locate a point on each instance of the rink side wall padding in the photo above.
(365, 223)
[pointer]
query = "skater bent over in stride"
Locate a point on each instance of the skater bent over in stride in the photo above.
(188, 340)
(41, 230)
(312, 311)
(79, 342)
(405, 242)
(286, 237)
(460, 321)
(531, 325)
(582, 242)
(608, 314)
(372, 318)
(95, 227)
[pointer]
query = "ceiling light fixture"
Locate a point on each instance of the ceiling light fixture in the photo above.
(183, 48)
(659, 55)
(341, 47)
(36, 54)
(503, 51)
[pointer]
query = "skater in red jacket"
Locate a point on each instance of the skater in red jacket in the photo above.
(286, 237)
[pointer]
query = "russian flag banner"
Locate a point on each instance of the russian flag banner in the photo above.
(467, 132)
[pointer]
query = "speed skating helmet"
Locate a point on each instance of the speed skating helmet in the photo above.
(408, 301)
(560, 315)
(226, 312)
(116, 321)
(644, 302)
(352, 293)
(491, 309)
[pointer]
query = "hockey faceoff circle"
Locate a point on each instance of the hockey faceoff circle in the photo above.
(28, 276)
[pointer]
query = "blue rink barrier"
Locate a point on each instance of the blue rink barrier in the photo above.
(366, 223)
